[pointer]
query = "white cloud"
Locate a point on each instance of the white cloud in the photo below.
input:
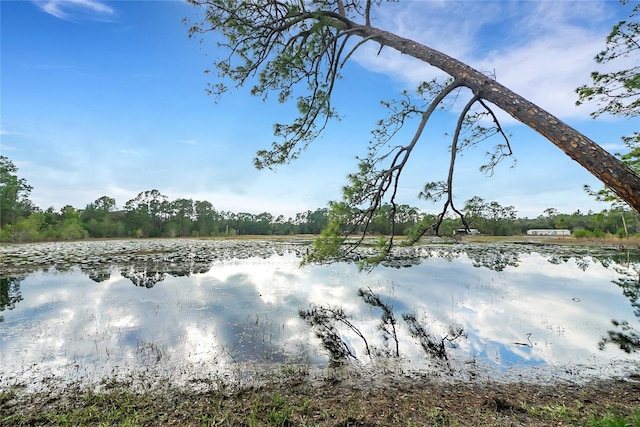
(69, 9)
(547, 71)
(540, 50)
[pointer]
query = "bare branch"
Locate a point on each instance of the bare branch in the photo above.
(497, 124)
(454, 151)
(360, 43)
(281, 43)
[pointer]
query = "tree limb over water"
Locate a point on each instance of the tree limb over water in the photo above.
(297, 49)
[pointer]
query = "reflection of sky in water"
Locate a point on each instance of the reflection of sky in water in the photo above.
(536, 314)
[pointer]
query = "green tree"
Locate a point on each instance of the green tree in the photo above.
(490, 217)
(282, 226)
(98, 217)
(407, 217)
(146, 213)
(29, 229)
(206, 218)
(298, 49)
(71, 226)
(51, 223)
(14, 193)
(316, 221)
(262, 224)
(617, 93)
(474, 210)
(182, 214)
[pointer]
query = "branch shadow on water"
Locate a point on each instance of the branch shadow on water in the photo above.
(625, 336)
(325, 321)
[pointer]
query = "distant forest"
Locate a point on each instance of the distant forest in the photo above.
(152, 214)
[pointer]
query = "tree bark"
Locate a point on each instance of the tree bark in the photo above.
(603, 165)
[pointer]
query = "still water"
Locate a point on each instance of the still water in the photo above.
(182, 309)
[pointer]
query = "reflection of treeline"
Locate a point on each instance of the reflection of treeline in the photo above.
(624, 334)
(152, 214)
(146, 274)
(10, 293)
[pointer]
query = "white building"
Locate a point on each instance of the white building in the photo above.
(465, 231)
(549, 232)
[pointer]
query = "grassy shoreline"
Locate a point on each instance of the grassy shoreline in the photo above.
(297, 402)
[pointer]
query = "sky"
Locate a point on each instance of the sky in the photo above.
(108, 98)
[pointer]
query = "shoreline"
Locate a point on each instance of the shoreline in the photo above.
(333, 402)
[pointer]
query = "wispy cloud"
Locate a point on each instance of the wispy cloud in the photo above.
(541, 50)
(188, 141)
(70, 10)
(8, 132)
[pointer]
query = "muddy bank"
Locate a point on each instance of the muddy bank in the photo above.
(297, 402)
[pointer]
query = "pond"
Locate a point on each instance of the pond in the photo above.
(224, 310)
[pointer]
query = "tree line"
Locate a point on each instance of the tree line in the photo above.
(152, 214)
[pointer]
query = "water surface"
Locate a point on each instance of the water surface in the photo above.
(181, 309)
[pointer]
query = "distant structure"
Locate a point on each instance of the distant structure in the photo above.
(549, 232)
(464, 231)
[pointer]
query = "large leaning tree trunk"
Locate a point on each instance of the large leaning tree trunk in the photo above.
(603, 165)
(281, 44)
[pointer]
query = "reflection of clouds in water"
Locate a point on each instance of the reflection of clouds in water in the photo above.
(533, 264)
(244, 310)
(499, 309)
(200, 342)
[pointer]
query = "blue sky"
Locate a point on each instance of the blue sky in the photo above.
(108, 98)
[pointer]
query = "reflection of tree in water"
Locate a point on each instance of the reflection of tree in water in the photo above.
(96, 274)
(608, 259)
(99, 276)
(498, 257)
(148, 274)
(625, 335)
(494, 258)
(631, 289)
(431, 345)
(144, 277)
(324, 321)
(387, 325)
(10, 293)
(586, 257)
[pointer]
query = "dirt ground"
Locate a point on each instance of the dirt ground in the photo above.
(297, 402)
